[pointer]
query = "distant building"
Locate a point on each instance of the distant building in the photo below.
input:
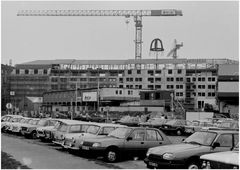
(5, 86)
(228, 88)
(192, 80)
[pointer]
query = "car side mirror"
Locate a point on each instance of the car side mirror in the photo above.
(129, 138)
(216, 144)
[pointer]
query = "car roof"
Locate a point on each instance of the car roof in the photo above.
(72, 122)
(224, 131)
(14, 116)
(110, 124)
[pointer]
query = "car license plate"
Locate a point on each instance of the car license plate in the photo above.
(153, 164)
(85, 147)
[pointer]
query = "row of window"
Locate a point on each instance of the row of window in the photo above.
(35, 71)
(151, 72)
(200, 79)
(201, 94)
(55, 79)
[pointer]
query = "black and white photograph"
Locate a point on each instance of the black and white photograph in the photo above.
(119, 84)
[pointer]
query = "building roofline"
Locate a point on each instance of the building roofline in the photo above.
(128, 61)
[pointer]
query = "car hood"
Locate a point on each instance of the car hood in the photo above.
(175, 148)
(228, 157)
(41, 128)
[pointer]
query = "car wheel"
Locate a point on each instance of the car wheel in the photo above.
(111, 155)
(179, 132)
(150, 167)
(34, 135)
(193, 165)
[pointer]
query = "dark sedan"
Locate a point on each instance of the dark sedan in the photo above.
(187, 154)
(176, 126)
(124, 141)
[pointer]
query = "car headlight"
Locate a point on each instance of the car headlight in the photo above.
(96, 145)
(168, 156)
(148, 152)
(206, 165)
(81, 143)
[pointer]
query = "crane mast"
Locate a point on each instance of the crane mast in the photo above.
(137, 14)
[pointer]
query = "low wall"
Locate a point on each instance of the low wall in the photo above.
(136, 108)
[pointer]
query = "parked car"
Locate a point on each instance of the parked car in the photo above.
(176, 126)
(221, 160)
(75, 141)
(29, 130)
(197, 125)
(14, 120)
(69, 126)
(156, 122)
(17, 127)
(129, 121)
(8, 119)
(47, 124)
(49, 130)
(133, 141)
(187, 154)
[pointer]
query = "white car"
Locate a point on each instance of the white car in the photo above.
(68, 126)
(14, 120)
(51, 123)
(7, 119)
(221, 160)
(75, 141)
(17, 127)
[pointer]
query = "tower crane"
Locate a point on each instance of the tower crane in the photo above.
(136, 14)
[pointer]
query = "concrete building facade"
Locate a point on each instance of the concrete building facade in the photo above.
(192, 80)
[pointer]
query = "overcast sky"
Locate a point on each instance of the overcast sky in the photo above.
(208, 29)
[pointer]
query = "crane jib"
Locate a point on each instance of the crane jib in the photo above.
(128, 13)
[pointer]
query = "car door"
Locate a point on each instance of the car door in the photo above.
(153, 138)
(226, 142)
(136, 145)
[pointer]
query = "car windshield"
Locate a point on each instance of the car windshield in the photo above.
(30, 121)
(92, 129)
(120, 132)
(236, 147)
(171, 122)
(11, 119)
(57, 125)
(42, 122)
(22, 120)
(201, 138)
(63, 128)
(35, 122)
(15, 119)
(84, 128)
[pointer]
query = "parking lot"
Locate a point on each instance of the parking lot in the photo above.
(41, 155)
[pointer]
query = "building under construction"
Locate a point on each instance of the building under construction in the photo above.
(194, 81)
